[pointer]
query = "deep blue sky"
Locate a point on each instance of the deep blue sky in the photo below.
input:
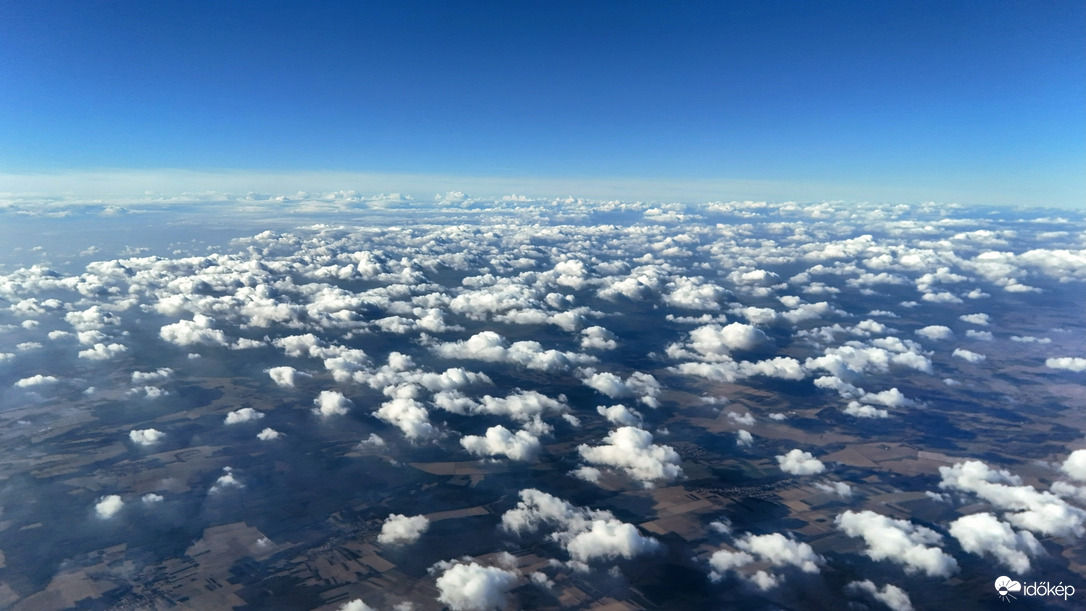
(978, 100)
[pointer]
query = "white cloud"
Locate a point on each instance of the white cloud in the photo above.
(199, 330)
(631, 450)
(1024, 507)
(715, 340)
(151, 498)
(472, 587)
(744, 439)
(399, 529)
(935, 332)
(245, 414)
(586, 534)
(332, 403)
(900, 541)
(890, 595)
(861, 410)
(976, 319)
(499, 441)
(146, 437)
(968, 355)
(620, 415)
(985, 534)
(226, 480)
(1075, 465)
(492, 347)
(774, 549)
(640, 385)
(35, 380)
(598, 338)
(108, 506)
(1069, 363)
(798, 462)
(152, 377)
(284, 377)
(406, 413)
(268, 434)
(355, 605)
(101, 351)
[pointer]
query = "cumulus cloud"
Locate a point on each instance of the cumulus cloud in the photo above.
(226, 480)
(935, 332)
(744, 439)
(774, 549)
(399, 529)
(405, 412)
(331, 403)
(268, 434)
(586, 534)
(499, 441)
(355, 605)
(632, 451)
(598, 338)
(152, 377)
(245, 414)
(193, 332)
(492, 347)
(284, 377)
(976, 319)
(1069, 363)
(1075, 465)
(985, 534)
(620, 415)
(890, 595)
(798, 462)
(473, 587)
(146, 437)
(1024, 506)
(35, 380)
(900, 541)
(968, 355)
(108, 506)
(716, 340)
(101, 351)
(640, 385)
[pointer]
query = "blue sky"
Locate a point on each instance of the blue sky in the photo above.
(977, 102)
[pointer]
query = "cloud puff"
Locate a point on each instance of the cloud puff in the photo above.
(285, 376)
(108, 506)
(1025, 507)
(406, 413)
(152, 377)
(332, 403)
(268, 434)
(775, 549)
(715, 340)
(472, 587)
(499, 441)
(245, 414)
(35, 380)
(199, 330)
(631, 450)
(640, 385)
(890, 595)
(146, 437)
(399, 529)
(597, 338)
(899, 541)
(798, 462)
(226, 480)
(1069, 363)
(491, 347)
(620, 415)
(586, 534)
(355, 605)
(976, 319)
(102, 352)
(1075, 465)
(151, 498)
(985, 534)
(935, 332)
(968, 355)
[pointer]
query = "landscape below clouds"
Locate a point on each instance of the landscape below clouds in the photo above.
(338, 401)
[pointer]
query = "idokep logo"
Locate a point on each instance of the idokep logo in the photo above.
(1007, 588)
